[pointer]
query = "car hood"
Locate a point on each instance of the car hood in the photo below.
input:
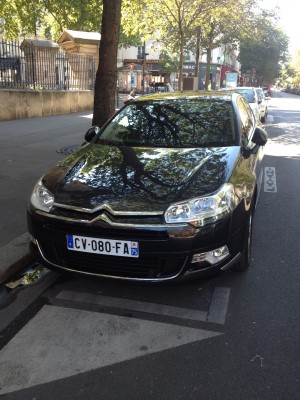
(131, 179)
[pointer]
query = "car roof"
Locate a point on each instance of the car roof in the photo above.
(245, 88)
(214, 95)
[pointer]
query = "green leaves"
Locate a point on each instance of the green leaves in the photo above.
(49, 17)
(265, 52)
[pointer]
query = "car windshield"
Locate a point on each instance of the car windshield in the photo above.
(260, 94)
(178, 123)
(247, 93)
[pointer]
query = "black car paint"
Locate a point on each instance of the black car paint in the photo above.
(82, 181)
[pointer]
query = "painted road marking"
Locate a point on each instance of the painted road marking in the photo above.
(270, 184)
(216, 313)
(133, 305)
(218, 305)
(61, 342)
(79, 341)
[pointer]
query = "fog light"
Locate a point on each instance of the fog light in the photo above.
(212, 257)
(218, 252)
(198, 257)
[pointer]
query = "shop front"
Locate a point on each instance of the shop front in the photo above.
(214, 79)
(132, 73)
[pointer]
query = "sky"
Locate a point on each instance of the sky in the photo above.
(289, 13)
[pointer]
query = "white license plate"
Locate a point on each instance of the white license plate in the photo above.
(110, 247)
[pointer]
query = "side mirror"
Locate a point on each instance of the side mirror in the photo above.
(91, 133)
(260, 136)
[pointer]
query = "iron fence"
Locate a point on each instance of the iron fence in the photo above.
(29, 67)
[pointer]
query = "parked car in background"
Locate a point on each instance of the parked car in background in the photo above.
(263, 104)
(165, 190)
(251, 95)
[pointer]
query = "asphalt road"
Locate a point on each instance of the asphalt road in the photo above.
(234, 336)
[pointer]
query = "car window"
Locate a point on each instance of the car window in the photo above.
(260, 94)
(247, 93)
(247, 120)
(178, 123)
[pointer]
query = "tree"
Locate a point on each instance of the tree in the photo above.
(106, 77)
(172, 22)
(295, 68)
(290, 72)
(265, 52)
(177, 23)
(20, 17)
(228, 24)
(168, 62)
(71, 14)
(288, 76)
(49, 18)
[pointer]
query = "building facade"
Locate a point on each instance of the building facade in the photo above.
(133, 66)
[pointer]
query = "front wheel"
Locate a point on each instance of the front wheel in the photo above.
(245, 259)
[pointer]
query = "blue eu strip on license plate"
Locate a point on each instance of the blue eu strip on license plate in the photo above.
(121, 248)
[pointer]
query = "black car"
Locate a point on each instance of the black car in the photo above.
(166, 189)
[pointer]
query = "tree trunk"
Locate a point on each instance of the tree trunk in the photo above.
(180, 75)
(207, 76)
(106, 77)
(197, 57)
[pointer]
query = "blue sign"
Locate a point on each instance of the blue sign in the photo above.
(231, 79)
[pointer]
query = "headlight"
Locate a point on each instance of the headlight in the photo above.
(42, 198)
(203, 210)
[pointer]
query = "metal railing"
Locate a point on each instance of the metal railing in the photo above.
(29, 67)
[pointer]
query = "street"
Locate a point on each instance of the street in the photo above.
(232, 336)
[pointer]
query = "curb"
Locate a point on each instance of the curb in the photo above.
(14, 256)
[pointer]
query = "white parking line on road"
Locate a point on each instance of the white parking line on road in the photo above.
(270, 184)
(218, 305)
(133, 305)
(216, 313)
(79, 341)
(61, 342)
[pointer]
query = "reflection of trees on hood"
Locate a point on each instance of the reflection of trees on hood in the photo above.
(208, 178)
(131, 161)
(108, 173)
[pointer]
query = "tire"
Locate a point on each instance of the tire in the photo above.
(244, 262)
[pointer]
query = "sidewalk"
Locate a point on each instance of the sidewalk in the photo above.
(29, 147)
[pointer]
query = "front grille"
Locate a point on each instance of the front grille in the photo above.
(127, 219)
(98, 230)
(141, 268)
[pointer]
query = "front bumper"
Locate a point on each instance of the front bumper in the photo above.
(165, 252)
